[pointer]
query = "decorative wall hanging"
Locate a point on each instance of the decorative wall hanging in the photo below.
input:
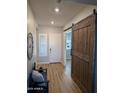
(29, 45)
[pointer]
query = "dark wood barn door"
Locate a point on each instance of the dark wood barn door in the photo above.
(83, 37)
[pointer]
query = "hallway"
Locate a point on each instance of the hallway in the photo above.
(60, 82)
(48, 21)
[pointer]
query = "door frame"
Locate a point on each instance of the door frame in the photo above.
(47, 59)
(64, 43)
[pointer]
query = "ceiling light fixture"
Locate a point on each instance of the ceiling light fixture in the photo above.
(56, 9)
(58, 1)
(52, 22)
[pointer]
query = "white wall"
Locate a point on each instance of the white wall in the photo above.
(49, 29)
(83, 14)
(31, 27)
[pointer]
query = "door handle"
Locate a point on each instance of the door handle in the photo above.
(50, 50)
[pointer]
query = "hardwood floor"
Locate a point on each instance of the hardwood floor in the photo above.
(60, 81)
(68, 67)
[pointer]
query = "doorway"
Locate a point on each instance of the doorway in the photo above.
(67, 50)
(49, 47)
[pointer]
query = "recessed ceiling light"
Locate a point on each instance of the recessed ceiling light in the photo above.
(56, 9)
(52, 22)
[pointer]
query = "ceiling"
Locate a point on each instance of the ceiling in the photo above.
(92, 2)
(44, 13)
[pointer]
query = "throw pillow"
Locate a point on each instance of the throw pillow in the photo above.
(37, 77)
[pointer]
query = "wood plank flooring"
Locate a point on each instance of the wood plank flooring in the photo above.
(60, 82)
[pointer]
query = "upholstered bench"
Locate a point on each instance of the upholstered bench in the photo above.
(38, 82)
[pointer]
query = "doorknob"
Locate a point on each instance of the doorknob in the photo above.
(50, 50)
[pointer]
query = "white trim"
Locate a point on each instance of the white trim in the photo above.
(43, 62)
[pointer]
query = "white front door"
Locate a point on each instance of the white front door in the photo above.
(50, 47)
(55, 47)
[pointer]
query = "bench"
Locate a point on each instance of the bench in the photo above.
(39, 87)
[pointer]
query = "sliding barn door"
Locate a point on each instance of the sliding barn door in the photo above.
(83, 37)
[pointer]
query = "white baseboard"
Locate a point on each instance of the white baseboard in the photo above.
(49, 62)
(43, 62)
